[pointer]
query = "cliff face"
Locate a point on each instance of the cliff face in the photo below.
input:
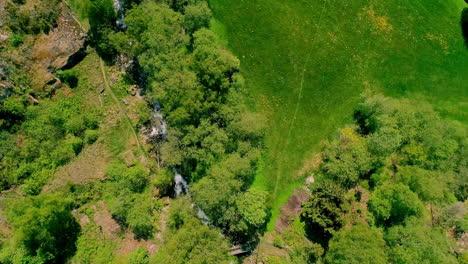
(63, 47)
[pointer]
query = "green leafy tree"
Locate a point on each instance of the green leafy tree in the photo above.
(44, 230)
(358, 244)
(190, 241)
(139, 217)
(196, 17)
(428, 185)
(348, 159)
(392, 203)
(322, 214)
(415, 243)
(164, 181)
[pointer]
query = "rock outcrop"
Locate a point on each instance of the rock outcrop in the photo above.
(62, 48)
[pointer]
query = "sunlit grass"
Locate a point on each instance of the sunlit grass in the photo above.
(306, 63)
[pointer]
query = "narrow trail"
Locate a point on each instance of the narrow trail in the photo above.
(286, 142)
(121, 109)
(109, 90)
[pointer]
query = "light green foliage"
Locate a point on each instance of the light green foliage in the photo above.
(139, 256)
(196, 17)
(300, 249)
(392, 203)
(134, 178)
(91, 136)
(347, 160)
(428, 185)
(93, 247)
(359, 244)
(416, 243)
(51, 135)
(139, 217)
(190, 241)
(44, 230)
(251, 206)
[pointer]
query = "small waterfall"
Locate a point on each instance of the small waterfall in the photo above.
(157, 133)
(120, 10)
(158, 124)
(181, 186)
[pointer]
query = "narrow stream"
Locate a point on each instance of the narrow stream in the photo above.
(157, 134)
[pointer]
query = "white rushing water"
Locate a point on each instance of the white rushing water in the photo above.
(119, 9)
(158, 134)
(181, 185)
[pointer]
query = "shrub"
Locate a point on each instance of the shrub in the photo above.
(164, 181)
(69, 77)
(139, 256)
(16, 40)
(91, 136)
(139, 217)
(43, 228)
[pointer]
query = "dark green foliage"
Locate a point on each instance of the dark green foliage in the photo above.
(69, 77)
(392, 204)
(322, 214)
(101, 16)
(16, 40)
(416, 243)
(359, 244)
(164, 181)
(44, 230)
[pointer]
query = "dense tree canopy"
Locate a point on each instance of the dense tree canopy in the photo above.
(45, 231)
(357, 245)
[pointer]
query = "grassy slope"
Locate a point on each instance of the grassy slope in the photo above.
(306, 62)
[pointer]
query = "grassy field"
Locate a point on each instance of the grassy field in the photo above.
(307, 61)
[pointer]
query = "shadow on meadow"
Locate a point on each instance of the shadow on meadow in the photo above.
(464, 25)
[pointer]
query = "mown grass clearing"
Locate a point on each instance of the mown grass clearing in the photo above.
(306, 63)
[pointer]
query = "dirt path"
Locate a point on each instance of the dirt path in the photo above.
(120, 107)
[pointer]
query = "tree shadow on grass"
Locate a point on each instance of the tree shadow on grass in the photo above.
(464, 25)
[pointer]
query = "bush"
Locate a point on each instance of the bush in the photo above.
(164, 181)
(76, 143)
(139, 217)
(16, 40)
(139, 256)
(69, 77)
(91, 136)
(43, 228)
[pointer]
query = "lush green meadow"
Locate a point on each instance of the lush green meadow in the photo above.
(307, 61)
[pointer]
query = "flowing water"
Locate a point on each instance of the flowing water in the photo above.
(120, 10)
(157, 134)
